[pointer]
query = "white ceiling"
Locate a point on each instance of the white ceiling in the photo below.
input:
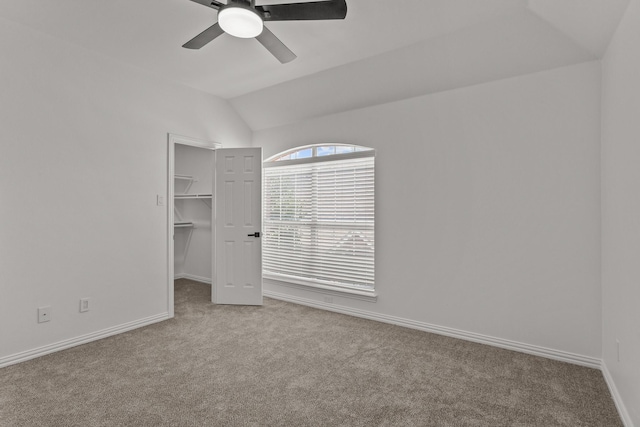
(382, 51)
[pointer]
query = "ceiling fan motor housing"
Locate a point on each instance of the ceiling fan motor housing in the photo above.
(248, 3)
(244, 4)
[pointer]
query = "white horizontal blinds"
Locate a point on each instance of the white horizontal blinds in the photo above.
(319, 222)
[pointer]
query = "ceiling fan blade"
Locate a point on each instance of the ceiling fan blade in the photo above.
(275, 46)
(204, 37)
(209, 3)
(333, 9)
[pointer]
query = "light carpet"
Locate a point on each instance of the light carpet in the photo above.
(284, 364)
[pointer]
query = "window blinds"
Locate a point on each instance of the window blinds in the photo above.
(319, 223)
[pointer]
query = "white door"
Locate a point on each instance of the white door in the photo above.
(238, 221)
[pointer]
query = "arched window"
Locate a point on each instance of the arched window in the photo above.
(319, 217)
(319, 150)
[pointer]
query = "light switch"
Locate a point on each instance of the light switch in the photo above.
(160, 200)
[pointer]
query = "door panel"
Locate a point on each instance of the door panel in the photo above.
(238, 217)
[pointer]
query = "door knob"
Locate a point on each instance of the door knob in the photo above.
(256, 234)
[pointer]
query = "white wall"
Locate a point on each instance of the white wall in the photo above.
(488, 206)
(83, 156)
(621, 210)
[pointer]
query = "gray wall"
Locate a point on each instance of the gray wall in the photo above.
(621, 211)
(487, 207)
(84, 154)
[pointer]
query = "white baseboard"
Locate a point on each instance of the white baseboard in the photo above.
(617, 399)
(83, 339)
(192, 277)
(563, 356)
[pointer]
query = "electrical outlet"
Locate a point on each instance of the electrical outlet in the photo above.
(84, 304)
(160, 200)
(44, 314)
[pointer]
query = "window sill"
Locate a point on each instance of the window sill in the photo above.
(369, 296)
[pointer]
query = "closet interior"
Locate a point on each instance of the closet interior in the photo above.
(193, 202)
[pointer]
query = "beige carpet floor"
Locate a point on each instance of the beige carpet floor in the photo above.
(288, 365)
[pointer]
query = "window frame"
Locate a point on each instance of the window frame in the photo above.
(358, 151)
(311, 284)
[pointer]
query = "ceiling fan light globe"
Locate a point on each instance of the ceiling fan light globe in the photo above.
(240, 22)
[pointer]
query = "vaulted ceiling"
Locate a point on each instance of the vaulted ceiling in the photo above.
(383, 51)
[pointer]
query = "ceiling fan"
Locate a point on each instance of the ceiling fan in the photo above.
(242, 18)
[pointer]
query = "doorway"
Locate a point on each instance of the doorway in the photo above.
(190, 197)
(214, 211)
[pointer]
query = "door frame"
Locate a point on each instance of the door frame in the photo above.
(172, 140)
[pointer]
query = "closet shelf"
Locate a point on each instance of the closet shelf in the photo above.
(193, 196)
(185, 177)
(183, 224)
